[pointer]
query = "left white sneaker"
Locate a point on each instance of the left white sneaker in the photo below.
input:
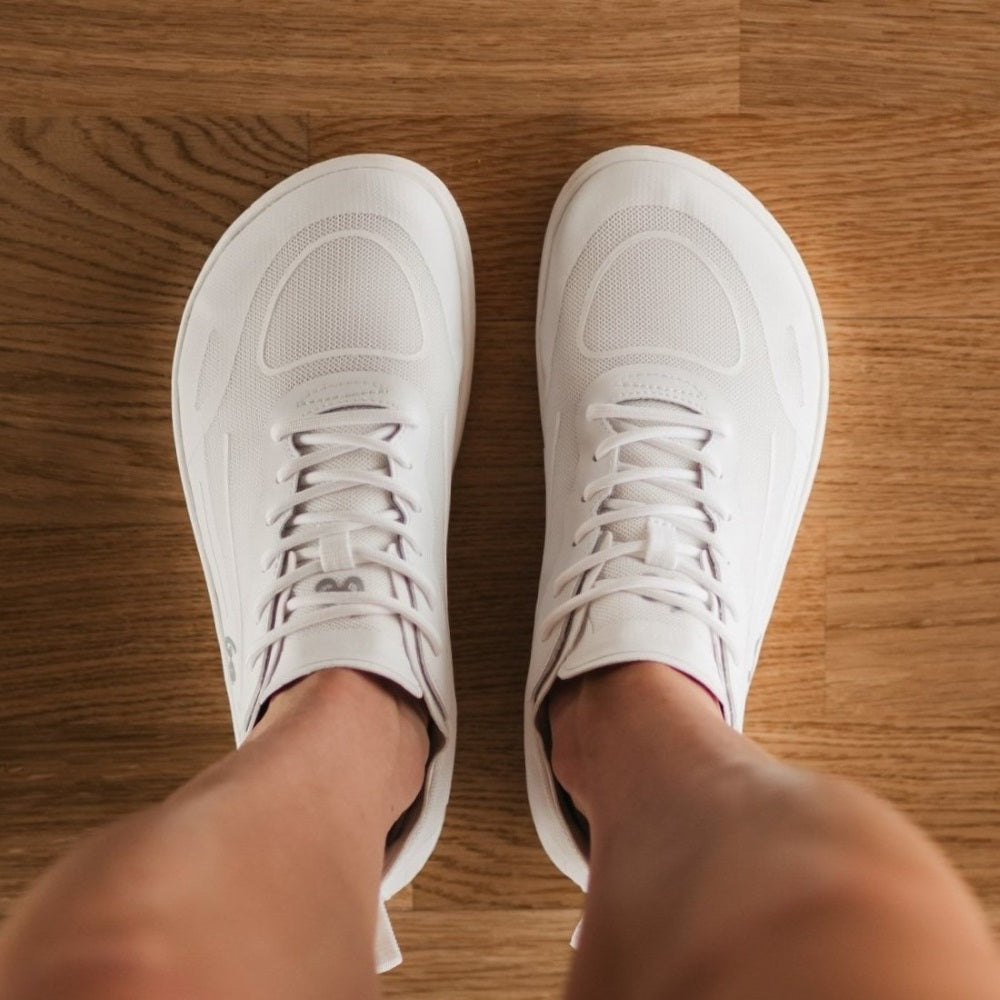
(320, 384)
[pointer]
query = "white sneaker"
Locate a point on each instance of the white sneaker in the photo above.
(683, 379)
(320, 385)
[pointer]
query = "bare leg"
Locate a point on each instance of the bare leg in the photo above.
(259, 878)
(718, 873)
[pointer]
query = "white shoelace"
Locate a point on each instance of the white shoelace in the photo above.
(679, 546)
(311, 537)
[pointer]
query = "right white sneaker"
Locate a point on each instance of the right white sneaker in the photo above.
(683, 380)
(320, 384)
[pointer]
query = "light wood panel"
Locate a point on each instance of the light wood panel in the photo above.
(486, 956)
(855, 54)
(362, 58)
(110, 220)
(913, 503)
(789, 686)
(495, 552)
(873, 202)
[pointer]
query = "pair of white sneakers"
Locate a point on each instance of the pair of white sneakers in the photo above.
(320, 385)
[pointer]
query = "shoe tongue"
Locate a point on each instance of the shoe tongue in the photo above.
(625, 626)
(338, 507)
(373, 642)
(626, 605)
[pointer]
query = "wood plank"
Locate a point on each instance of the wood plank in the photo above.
(913, 502)
(489, 855)
(919, 677)
(790, 683)
(110, 220)
(872, 201)
(914, 54)
(93, 403)
(464, 56)
(914, 410)
(486, 956)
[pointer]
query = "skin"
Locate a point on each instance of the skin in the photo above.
(259, 878)
(716, 871)
(719, 873)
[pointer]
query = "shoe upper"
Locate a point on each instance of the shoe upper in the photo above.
(320, 383)
(683, 385)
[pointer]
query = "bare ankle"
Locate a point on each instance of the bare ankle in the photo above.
(394, 724)
(606, 723)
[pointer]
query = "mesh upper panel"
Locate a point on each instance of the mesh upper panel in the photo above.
(349, 292)
(577, 370)
(659, 295)
(248, 426)
(247, 378)
(674, 297)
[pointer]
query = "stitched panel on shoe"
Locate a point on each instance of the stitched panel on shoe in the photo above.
(659, 295)
(211, 368)
(347, 293)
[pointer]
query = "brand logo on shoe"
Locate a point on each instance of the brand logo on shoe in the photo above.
(230, 647)
(329, 584)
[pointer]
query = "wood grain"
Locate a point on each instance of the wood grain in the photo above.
(790, 683)
(486, 956)
(913, 586)
(854, 54)
(871, 201)
(894, 214)
(109, 220)
(871, 131)
(361, 58)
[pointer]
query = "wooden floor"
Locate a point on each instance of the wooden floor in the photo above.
(873, 133)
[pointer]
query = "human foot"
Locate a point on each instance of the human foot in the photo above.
(320, 384)
(683, 382)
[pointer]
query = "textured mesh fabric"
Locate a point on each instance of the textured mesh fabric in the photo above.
(665, 239)
(577, 370)
(349, 291)
(290, 335)
(658, 292)
(712, 324)
(259, 322)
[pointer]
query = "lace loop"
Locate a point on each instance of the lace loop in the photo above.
(687, 578)
(319, 442)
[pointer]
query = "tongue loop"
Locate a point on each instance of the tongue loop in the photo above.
(649, 587)
(661, 544)
(335, 554)
(345, 592)
(341, 567)
(666, 550)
